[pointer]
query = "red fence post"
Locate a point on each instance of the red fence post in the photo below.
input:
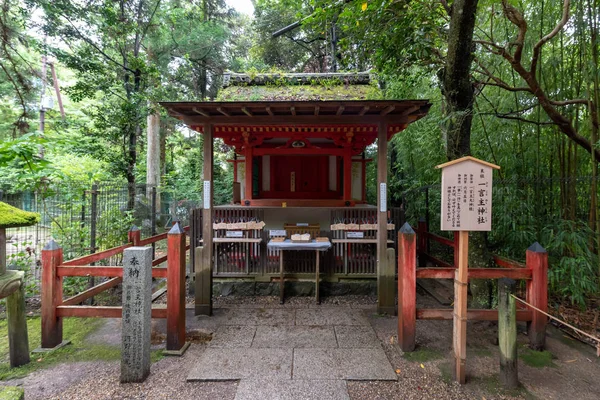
(52, 257)
(134, 235)
(421, 241)
(407, 287)
(537, 294)
(176, 289)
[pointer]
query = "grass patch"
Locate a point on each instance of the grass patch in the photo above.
(423, 355)
(447, 373)
(536, 359)
(75, 330)
(11, 393)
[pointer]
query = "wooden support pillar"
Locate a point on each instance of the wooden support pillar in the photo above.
(407, 288)
(176, 289)
(507, 333)
(536, 259)
(460, 307)
(386, 271)
(348, 174)
(52, 257)
(204, 257)
(249, 173)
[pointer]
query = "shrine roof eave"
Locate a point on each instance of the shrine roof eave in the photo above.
(308, 113)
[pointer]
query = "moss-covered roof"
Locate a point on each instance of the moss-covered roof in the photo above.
(12, 217)
(299, 87)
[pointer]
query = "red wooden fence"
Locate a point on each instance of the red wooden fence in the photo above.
(535, 272)
(54, 269)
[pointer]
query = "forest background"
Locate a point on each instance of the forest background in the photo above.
(531, 76)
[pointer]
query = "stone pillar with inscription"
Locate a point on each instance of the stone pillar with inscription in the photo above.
(137, 308)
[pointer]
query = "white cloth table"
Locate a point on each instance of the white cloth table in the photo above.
(287, 245)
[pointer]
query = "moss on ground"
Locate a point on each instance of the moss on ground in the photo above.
(423, 355)
(12, 217)
(536, 359)
(446, 372)
(75, 330)
(11, 393)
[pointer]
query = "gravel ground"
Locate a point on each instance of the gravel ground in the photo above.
(428, 376)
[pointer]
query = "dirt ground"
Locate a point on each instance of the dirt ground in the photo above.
(572, 371)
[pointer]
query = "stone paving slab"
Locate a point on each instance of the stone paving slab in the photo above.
(294, 337)
(267, 389)
(349, 364)
(331, 316)
(233, 336)
(226, 364)
(260, 316)
(356, 337)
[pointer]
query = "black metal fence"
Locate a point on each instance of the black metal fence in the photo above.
(84, 219)
(525, 210)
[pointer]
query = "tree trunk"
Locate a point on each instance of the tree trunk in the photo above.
(457, 87)
(153, 153)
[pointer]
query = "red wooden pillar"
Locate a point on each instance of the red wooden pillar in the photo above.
(537, 294)
(407, 288)
(52, 257)
(134, 235)
(176, 288)
(348, 174)
(422, 242)
(249, 173)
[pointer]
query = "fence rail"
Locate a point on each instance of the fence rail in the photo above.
(88, 219)
(54, 269)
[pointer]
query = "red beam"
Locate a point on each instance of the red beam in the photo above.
(101, 312)
(473, 315)
(89, 271)
(507, 263)
(440, 239)
(298, 151)
(159, 260)
(474, 273)
(103, 271)
(81, 297)
(85, 260)
(152, 239)
(436, 260)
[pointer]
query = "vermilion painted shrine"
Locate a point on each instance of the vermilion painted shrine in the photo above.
(299, 174)
(298, 162)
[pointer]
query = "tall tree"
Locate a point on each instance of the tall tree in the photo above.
(105, 49)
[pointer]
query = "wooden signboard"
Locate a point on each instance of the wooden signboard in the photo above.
(466, 206)
(467, 195)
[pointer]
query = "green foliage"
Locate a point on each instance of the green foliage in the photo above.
(573, 265)
(12, 393)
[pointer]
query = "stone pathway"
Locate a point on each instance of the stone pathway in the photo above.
(287, 353)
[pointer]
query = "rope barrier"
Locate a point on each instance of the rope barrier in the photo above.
(597, 340)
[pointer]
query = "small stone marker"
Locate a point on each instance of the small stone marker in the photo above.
(137, 308)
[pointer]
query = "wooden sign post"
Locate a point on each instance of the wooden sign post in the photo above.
(466, 206)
